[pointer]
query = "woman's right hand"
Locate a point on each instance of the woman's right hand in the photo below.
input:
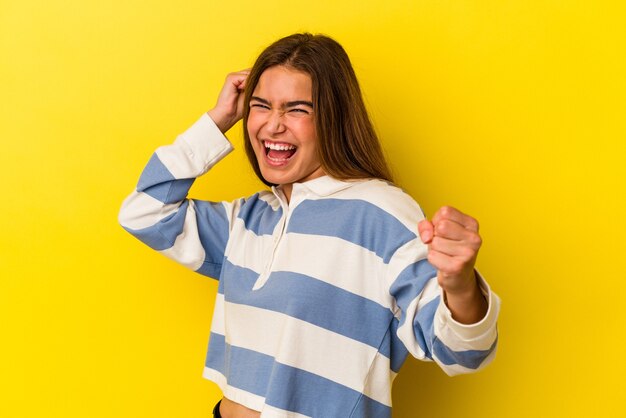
(229, 107)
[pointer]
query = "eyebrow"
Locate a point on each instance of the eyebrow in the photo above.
(287, 104)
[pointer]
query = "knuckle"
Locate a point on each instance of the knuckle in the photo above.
(475, 240)
(444, 226)
(446, 211)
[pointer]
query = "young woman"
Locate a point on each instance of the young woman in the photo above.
(331, 278)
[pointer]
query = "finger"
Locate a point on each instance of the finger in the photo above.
(452, 214)
(455, 231)
(426, 231)
(240, 73)
(241, 85)
(243, 74)
(453, 248)
(240, 105)
(237, 79)
(449, 266)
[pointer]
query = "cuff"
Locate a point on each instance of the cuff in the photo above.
(480, 334)
(205, 143)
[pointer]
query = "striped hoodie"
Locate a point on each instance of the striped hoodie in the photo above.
(320, 300)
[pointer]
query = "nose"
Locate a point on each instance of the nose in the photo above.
(275, 123)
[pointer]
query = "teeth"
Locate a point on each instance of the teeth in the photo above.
(279, 147)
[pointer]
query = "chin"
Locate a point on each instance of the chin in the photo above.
(274, 178)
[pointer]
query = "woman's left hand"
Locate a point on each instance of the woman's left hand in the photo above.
(453, 243)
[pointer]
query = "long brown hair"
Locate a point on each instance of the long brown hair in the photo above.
(348, 145)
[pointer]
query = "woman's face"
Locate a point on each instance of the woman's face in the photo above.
(281, 127)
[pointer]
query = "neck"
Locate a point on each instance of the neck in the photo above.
(287, 188)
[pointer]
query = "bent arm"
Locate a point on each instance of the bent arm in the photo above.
(427, 327)
(191, 232)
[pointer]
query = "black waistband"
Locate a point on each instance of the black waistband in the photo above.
(216, 410)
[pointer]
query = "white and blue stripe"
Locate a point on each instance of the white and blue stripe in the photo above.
(320, 300)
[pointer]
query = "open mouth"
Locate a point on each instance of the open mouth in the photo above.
(279, 152)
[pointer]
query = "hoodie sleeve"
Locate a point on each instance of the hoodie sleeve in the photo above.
(158, 213)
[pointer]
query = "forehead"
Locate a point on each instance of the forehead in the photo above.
(280, 83)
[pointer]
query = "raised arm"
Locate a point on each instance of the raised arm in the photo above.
(191, 232)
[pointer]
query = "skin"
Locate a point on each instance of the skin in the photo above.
(279, 113)
(230, 409)
(453, 243)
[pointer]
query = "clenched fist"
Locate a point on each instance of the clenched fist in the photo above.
(453, 243)
(229, 107)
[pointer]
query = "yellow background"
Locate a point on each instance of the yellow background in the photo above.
(513, 111)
